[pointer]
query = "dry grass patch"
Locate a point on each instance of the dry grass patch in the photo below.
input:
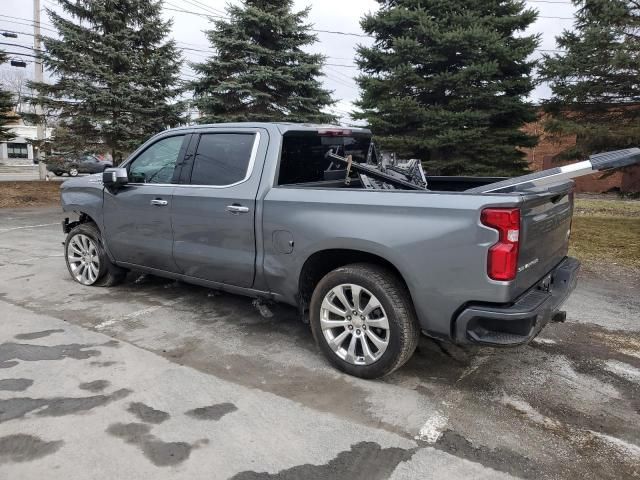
(607, 232)
(29, 194)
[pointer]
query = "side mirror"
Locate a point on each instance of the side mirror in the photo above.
(115, 177)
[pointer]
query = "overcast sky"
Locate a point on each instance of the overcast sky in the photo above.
(335, 15)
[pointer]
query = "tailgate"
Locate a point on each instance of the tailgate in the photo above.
(544, 234)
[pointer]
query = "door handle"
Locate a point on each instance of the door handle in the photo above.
(237, 209)
(159, 202)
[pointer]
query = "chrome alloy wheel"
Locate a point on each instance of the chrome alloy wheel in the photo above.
(83, 258)
(354, 324)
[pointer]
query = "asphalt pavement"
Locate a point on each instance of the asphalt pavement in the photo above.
(161, 379)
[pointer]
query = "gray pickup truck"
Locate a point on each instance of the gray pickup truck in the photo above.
(261, 210)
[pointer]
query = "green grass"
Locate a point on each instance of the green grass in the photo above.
(606, 232)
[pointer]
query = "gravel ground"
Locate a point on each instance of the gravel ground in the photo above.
(159, 379)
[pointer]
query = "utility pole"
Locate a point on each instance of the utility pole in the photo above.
(39, 77)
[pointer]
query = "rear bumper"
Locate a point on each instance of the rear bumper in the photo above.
(519, 322)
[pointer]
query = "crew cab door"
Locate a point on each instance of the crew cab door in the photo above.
(137, 216)
(214, 206)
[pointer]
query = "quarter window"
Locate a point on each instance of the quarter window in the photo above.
(157, 163)
(222, 158)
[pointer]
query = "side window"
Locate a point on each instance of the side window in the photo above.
(157, 163)
(222, 158)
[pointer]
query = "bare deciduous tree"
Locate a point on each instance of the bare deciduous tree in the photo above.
(15, 81)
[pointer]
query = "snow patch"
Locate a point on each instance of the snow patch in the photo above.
(432, 428)
(531, 413)
(623, 370)
(544, 341)
(623, 447)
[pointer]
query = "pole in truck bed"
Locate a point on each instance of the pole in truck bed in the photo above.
(596, 163)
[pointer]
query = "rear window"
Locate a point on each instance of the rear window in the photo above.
(222, 158)
(303, 155)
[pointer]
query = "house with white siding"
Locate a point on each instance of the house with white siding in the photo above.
(20, 150)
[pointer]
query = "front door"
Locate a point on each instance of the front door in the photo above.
(137, 216)
(213, 211)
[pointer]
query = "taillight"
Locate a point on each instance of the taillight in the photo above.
(502, 263)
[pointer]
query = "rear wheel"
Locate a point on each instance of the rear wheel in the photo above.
(57, 173)
(363, 320)
(73, 172)
(86, 259)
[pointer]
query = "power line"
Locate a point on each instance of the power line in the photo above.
(23, 54)
(31, 22)
(19, 33)
(28, 47)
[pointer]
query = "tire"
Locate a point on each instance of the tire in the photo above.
(377, 285)
(73, 172)
(57, 173)
(84, 243)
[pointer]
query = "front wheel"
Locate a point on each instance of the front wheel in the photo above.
(86, 259)
(363, 320)
(57, 173)
(73, 172)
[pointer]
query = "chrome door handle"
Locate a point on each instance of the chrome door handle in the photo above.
(159, 203)
(237, 209)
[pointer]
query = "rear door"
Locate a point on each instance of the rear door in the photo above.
(214, 207)
(137, 216)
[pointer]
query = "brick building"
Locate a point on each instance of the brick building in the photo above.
(543, 156)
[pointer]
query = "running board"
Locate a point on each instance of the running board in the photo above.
(596, 163)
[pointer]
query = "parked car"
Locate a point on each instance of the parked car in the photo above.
(75, 164)
(256, 209)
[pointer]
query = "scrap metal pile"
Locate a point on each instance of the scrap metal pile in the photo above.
(382, 172)
(386, 172)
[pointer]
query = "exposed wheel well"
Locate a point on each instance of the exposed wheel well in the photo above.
(82, 218)
(321, 263)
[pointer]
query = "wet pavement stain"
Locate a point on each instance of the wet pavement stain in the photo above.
(24, 448)
(15, 384)
(34, 335)
(10, 352)
(147, 414)
(364, 461)
(102, 364)
(499, 459)
(95, 386)
(13, 408)
(160, 453)
(212, 412)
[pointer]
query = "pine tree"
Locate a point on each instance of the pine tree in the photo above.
(6, 106)
(446, 81)
(596, 93)
(115, 72)
(259, 71)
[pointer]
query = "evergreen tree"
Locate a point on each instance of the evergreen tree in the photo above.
(596, 93)
(115, 74)
(446, 81)
(6, 105)
(259, 71)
